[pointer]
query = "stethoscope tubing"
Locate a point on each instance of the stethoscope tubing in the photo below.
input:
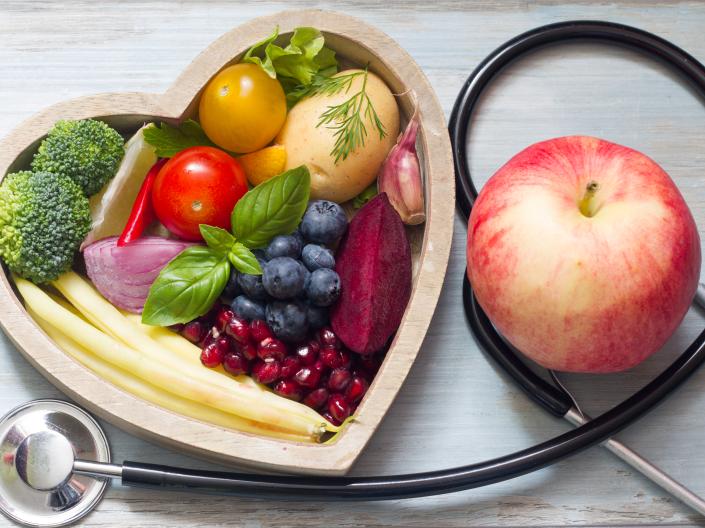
(550, 397)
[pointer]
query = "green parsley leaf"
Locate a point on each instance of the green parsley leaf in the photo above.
(169, 140)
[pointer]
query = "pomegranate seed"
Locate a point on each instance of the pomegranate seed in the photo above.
(331, 419)
(314, 345)
(327, 337)
(259, 331)
(194, 331)
(224, 344)
(236, 364)
(356, 389)
(332, 358)
(224, 315)
(289, 389)
(248, 350)
(238, 329)
(308, 376)
(307, 354)
(178, 327)
(339, 379)
(290, 366)
(338, 407)
(347, 358)
(316, 398)
(266, 371)
(271, 347)
(211, 355)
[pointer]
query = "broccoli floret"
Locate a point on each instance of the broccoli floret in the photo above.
(86, 151)
(43, 220)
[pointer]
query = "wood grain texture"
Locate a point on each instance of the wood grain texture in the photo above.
(355, 41)
(455, 406)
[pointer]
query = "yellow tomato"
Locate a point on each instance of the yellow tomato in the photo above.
(242, 108)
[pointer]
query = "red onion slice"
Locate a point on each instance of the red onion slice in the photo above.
(123, 275)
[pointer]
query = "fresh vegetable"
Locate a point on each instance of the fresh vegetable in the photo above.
(365, 196)
(303, 60)
(169, 140)
(400, 177)
(374, 264)
(347, 119)
(161, 398)
(199, 185)
(189, 285)
(273, 208)
(263, 164)
(124, 274)
(242, 108)
(142, 213)
(116, 340)
(43, 219)
(111, 207)
(87, 151)
(338, 135)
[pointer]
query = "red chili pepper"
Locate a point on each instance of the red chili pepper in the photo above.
(142, 213)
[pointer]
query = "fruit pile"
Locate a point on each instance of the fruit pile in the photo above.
(317, 371)
(298, 283)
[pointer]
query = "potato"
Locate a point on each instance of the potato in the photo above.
(308, 144)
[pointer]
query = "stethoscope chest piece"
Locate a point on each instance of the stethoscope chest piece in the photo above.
(39, 442)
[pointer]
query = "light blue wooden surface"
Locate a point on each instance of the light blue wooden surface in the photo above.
(455, 407)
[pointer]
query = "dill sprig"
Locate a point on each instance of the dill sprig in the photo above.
(348, 118)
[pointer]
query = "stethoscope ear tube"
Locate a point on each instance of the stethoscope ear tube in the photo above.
(548, 396)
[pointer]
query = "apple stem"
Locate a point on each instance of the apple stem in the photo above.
(586, 203)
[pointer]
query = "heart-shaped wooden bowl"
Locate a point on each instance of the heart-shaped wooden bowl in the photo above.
(359, 43)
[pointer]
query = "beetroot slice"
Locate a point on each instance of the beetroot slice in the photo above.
(374, 264)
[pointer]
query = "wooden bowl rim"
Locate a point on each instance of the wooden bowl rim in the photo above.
(176, 431)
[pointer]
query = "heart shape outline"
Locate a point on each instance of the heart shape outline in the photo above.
(359, 42)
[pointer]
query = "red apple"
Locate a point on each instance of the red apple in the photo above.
(583, 254)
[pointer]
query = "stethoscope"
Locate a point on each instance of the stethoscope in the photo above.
(55, 459)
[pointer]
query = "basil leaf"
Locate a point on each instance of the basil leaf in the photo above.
(273, 208)
(169, 140)
(244, 260)
(187, 287)
(218, 239)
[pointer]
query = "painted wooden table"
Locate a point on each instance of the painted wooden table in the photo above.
(455, 407)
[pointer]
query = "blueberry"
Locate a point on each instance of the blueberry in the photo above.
(307, 277)
(317, 316)
(251, 285)
(324, 287)
(283, 277)
(297, 234)
(287, 320)
(260, 255)
(232, 288)
(283, 246)
(324, 222)
(247, 308)
(315, 257)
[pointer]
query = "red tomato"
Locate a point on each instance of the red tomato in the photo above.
(199, 185)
